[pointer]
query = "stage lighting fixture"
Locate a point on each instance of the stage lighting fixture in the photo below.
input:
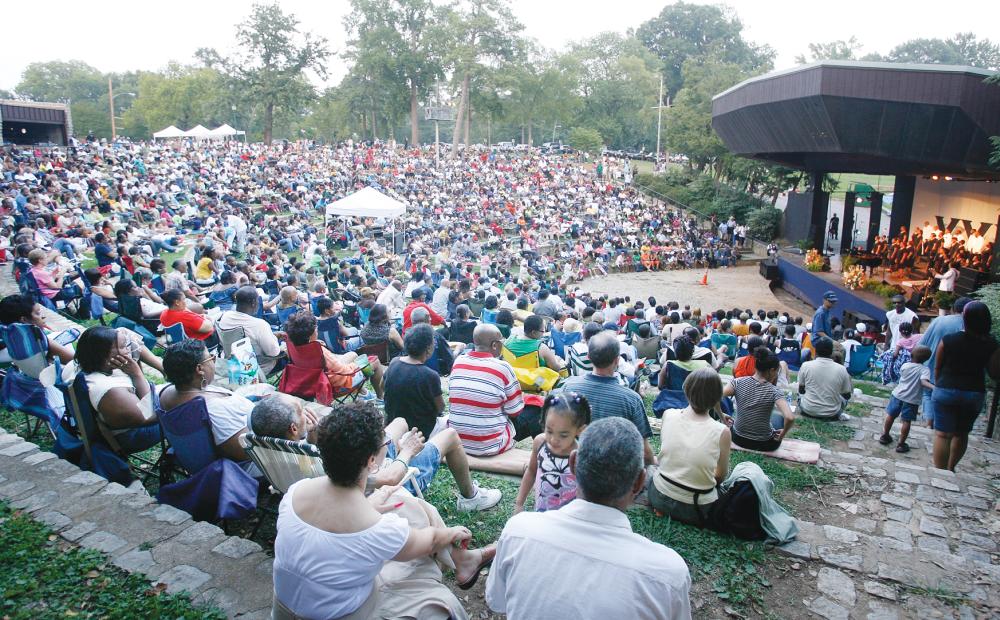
(934, 177)
(858, 200)
(949, 178)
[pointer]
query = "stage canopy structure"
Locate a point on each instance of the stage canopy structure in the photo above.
(919, 122)
(367, 202)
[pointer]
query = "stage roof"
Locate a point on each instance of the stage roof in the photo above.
(868, 117)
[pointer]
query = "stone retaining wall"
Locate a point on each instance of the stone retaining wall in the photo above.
(137, 534)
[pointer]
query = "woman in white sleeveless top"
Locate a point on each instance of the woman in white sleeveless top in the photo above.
(694, 453)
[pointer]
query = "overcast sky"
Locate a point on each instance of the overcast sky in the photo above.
(114, 35)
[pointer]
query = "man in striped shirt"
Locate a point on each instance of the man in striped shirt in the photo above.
(484, 395)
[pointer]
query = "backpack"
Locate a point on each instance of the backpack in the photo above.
(737, 512)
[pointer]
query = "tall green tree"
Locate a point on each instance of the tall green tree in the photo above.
(404, 40)
(832, 50)
(540, 91)
(962, 49)
(271, 64)
(485, 33)
(685, 30)
(688, 128)
(619, 85)
(180, 95)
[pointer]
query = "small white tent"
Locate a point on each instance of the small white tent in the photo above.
(368, 202)
(198, 131)
(225, 131)
(169, 132)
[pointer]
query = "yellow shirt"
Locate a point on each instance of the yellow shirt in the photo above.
(204, 269)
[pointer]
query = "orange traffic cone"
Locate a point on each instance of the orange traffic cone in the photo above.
(704, 279)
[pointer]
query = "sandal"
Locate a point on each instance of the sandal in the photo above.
(885, 440)
(465, 585)
(902, 448)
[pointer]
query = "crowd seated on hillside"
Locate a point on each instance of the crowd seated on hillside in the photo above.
(486, 298)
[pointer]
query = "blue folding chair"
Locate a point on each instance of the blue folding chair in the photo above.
(81, 440)
(560, 340)
(29, 288)
(861, 360)
(792, 358)
(284, 313)
(157, 284)
(216, 488)
(489, 316)
(175, 333)
(21, 390)
(329, 333)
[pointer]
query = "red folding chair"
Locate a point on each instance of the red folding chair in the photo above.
(306, 376)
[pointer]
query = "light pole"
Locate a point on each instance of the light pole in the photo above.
(111, 108)
(659, 117)
(554, 127)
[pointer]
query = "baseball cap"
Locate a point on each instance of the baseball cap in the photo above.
(830, 296)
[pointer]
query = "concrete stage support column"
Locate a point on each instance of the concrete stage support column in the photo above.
(874, 218)
(902, 205)
(847, 224)
(820, 207)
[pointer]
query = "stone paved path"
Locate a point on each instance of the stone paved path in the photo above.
(899, 538)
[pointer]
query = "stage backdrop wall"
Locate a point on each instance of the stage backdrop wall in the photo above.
(976, 201)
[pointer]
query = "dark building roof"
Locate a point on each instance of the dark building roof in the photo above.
(876, 118)
(32, 112)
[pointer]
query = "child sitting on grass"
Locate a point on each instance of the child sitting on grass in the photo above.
(564, 416)
(905, 399)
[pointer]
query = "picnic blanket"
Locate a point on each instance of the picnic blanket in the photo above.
(794, 450)
(512, 462)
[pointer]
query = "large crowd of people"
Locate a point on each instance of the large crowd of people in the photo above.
(486, 292)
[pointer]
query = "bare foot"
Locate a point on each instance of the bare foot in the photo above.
(468, 561)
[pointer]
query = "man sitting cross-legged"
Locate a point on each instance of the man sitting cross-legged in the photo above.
(285, 418)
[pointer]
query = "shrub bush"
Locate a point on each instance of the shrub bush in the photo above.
(764, 223)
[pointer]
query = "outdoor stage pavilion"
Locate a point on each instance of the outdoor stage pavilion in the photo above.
(927, 125)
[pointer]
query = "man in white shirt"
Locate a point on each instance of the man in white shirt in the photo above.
(265, 343)
(604, 569)
(897, 316)
(948, 278)
(392, 299)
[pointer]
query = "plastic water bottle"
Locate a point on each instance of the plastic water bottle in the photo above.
(233, 366)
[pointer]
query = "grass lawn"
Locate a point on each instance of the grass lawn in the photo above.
(43, 577)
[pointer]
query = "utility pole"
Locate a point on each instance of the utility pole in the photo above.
(111, 107)
(659, 117)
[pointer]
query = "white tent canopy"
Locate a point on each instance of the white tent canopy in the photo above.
(198, 131)
(224, 131)
(368, 202)
(169, 132)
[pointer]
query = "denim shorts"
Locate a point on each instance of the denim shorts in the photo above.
(427, 462)
(955, 411)
(896, 407)
(927, 406)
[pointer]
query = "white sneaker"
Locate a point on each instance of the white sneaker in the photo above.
(843, 417)
(482, 499)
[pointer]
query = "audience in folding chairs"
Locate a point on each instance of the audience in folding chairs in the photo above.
(340, 369)
(190, 369)
(119, 392)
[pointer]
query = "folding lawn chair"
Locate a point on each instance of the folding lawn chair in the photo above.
(21, 390)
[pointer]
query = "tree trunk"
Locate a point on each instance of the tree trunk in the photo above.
(522, 134)
(268, 122)
(468, 123)
(462, 102)
(414, 130)
(530, 142)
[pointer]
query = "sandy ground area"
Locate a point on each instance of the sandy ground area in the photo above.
(741, 287)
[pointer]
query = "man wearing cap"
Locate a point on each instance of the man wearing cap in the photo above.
(821, 319)
(897, 316)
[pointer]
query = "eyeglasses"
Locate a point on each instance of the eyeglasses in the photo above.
(210, 358)
(385, 444)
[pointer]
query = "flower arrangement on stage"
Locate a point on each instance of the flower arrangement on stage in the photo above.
(854, 277)
(814, 260)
